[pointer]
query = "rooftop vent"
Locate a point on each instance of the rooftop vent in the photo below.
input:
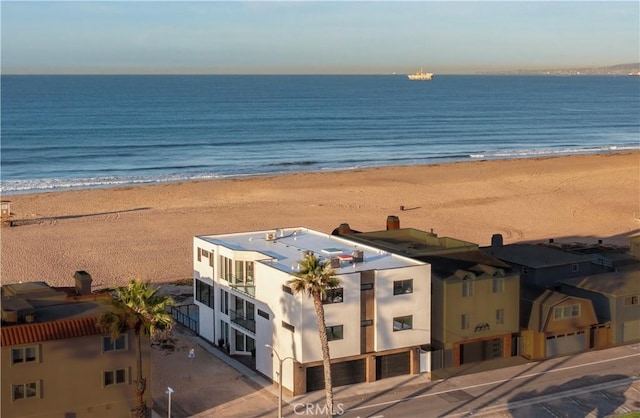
(270, 236)
(358, 256)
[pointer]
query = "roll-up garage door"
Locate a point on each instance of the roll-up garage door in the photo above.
(560, 345)
(343, 373)
(392, 365)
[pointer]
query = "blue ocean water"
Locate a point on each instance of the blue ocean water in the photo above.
(66, 132)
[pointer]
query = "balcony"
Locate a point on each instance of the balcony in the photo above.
(239, 319)
(244, 289)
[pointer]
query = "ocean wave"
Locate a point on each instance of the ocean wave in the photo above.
(523, 153)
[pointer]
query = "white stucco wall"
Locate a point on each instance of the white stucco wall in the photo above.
(388, 306)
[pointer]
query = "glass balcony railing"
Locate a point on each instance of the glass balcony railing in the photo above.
(238, 318)
(244, 289)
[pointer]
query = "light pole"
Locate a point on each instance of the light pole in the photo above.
(169, 392)
(273, 350)
(191, 356)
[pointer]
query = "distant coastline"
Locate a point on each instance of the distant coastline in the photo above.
(619, 69)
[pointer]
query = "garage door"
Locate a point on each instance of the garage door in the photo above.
(481, 350)
(559, 345)
(392, 365)
(344, 373)
(631, 331)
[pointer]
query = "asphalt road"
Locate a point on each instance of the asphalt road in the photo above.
(592, 384)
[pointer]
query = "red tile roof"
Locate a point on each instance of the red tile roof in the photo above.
(47, 331)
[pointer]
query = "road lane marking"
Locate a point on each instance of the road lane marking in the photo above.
(426, 395)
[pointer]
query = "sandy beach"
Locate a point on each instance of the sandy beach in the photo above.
(146, 231)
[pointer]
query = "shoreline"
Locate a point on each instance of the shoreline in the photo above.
(471, 160)
(147, 231)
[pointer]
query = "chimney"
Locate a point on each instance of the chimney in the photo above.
(496, 240)
(393, 222)
(83, 282)
(344, 229)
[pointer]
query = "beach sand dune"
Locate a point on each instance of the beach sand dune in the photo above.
(147, 231)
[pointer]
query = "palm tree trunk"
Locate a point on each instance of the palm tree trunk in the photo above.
(326, 358)
(140, 383)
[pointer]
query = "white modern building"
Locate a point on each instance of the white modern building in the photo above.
(377, 320)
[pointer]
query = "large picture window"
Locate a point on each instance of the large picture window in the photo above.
(204, 293)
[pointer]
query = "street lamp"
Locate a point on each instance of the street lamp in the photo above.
(273, 350)
(169, 392)
(191, 356)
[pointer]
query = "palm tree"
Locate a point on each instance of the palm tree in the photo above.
(314, 278)
(138, 306)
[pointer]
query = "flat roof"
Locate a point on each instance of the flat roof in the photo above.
(284, 247)
(536, 256)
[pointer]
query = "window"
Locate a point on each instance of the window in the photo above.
(564, 312)
(631, 300)
(575, 267)
(263, 314)
(114, 377)
(24, 354)
(366, 286)
(249, 272)
(25, 390)
(467, 287)
(402, 323)
(366, 322)
(226, 266)
(401, 287)
(224, 302)
(500, 316)
(287, 289)
(333, 296)
(204, 293)
(114, 344)
(199, 254)
(464, 321)
(498, 284)
(334, 333)
(288, 326)
(239, 340)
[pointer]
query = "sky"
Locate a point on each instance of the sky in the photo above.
(314, 37)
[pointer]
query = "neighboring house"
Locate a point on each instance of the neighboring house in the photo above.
(616, 299)
(56, 361)
(377, 319)
(541, 266)
(634, 246)
(475, 296)
(558, 324)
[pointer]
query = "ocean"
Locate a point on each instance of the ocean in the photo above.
(69, 132)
